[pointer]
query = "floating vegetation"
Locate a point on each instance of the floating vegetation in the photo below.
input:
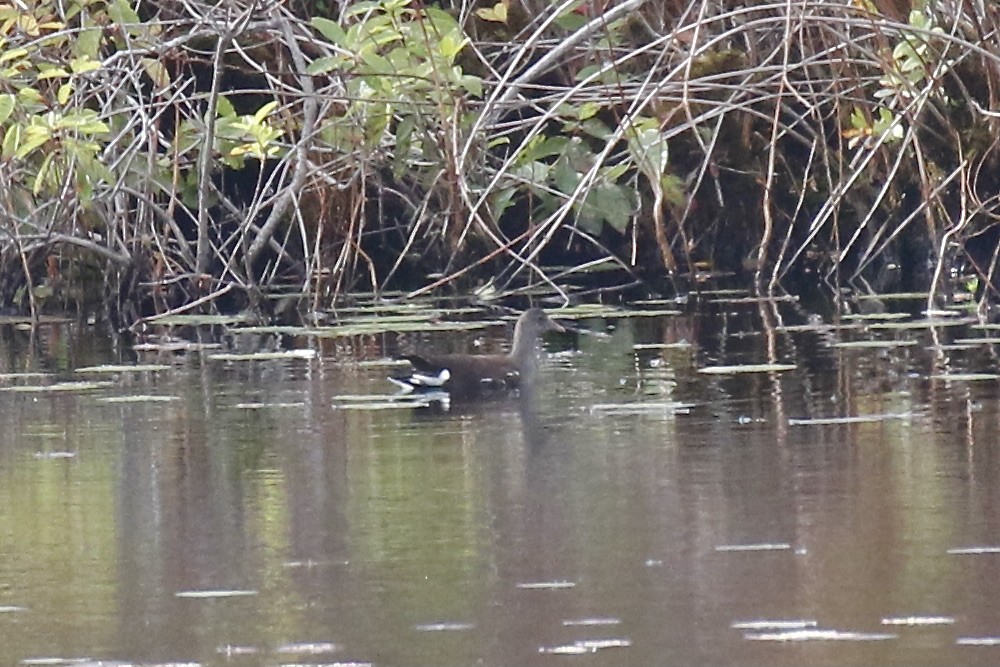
(307, 648)
(390, 401)
(965, 377)
(597, 620)
(785, 298)
(303, 353)
(175, 346)
(230, 650)
(680, 345)
(861, 419)
(918, 620)
(951, 347)
(983, 340)
(767, 624)
(444, 626)
(25, 376)
(747, 368)
(380, 327)
(207, 594)
(807, 635)
(818, 327)
(261, 406)
(310, 563)
(124, 368)
(546, 585)
(872, 344)
(921, 324)
(378, 363)
(199, 320)
(584, 646)
(141, 398)
(978, 641)
(965, 551)
(874, 316)
(58, 387)
(662, 407)
(763, 546)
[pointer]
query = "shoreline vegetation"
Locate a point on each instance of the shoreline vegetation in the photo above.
(199, 157)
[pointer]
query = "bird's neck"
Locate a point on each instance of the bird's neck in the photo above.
(525, 349)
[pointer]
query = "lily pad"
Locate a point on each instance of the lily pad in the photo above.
(875, 316)
(260, 406)
(584, 646)
(58, 387)
(444, 626)
(872, 344)
(747, 368)
(761, 546)
(141, 398)
(862, 419)
(303, 353)
(124, 368)
(25, 376)
(651, 408)
(199, 320)
(920, 324)
(546, 585)
(681, 345)
(813, 634)
(379, 327)
(390, 401)
(175, 346)
(918, 620)
(598, 620)
(765, 624)
(742, 300)
(307, 648)
(208, 594)
(965, 551)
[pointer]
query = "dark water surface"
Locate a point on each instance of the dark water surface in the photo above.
(317, 533)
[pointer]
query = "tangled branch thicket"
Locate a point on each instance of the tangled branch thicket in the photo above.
(164, 155)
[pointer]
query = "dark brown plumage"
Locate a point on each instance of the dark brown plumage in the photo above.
(464, 374)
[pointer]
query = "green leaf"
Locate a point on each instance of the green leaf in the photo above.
(6, 107)
(64, 93)
(11, 139)
(88, 43)
(121, 12)
(360, 8)
(496, 13)
(610, 203)
(542, 147)
(449, 46)
(472, 84)
(50, 72)
(156, 71)
(31, 95)
(265, 111)
(43, 171)
(331, 30)
(224, 108)
(83, 65)
(12, 54)
(324, 65)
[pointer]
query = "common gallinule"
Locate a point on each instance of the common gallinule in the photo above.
(463, 374)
